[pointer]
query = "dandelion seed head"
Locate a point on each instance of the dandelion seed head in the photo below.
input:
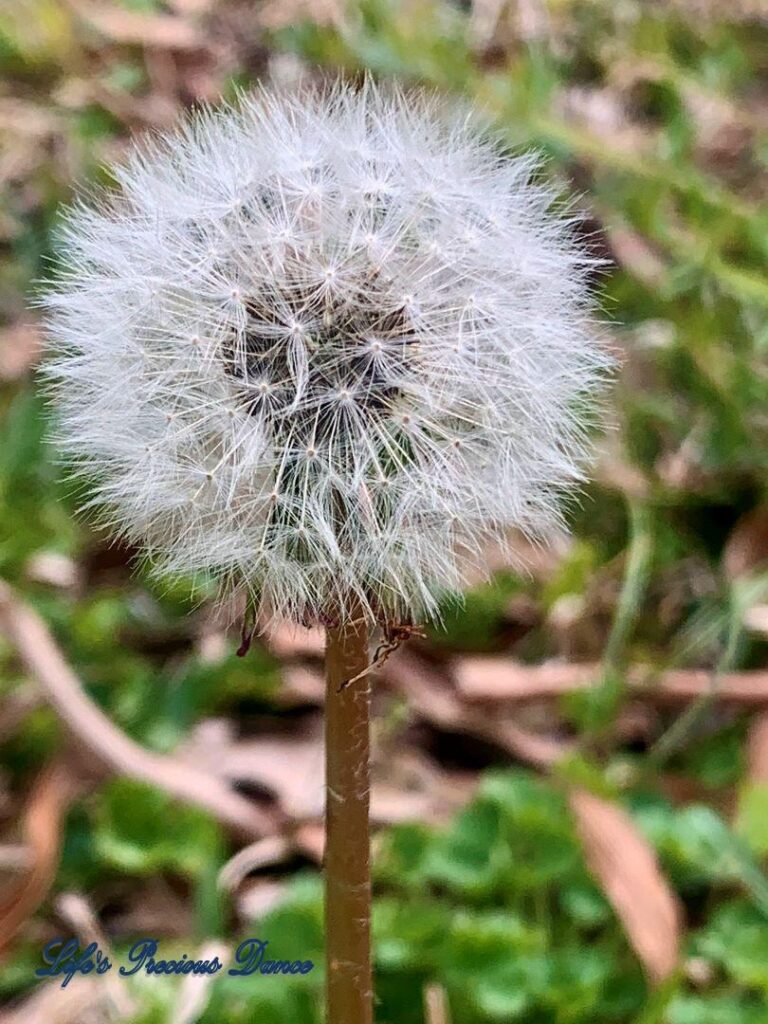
(325, 346)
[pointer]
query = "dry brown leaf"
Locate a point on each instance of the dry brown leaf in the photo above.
(757, 749)
(191, 7)
(288, 641)
(289, 767)
(636, 255)
(434, 798)
(615, 473)
(20, 347)
(310, 840)
(54, 570)
(23, 117)
(625, 866)
(681, 468)
(257, 898)
(156, 109)
(411, 786)
(42, 826)
(301, 685)
(432, 696)
(14, 857)
(484, 21)
(756, 619)
(165, 31)
(392, 804)
(746, 550)
(600, 112)
(276, 14)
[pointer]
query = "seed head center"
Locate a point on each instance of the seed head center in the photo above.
(296, 372)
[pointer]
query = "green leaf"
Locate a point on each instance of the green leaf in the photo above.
(140, 830)
(752, 818)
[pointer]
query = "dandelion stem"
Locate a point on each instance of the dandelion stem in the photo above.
(349, 989)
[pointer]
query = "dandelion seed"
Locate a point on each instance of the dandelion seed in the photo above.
(369, 329)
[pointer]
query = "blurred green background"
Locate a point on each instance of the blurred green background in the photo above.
(623, 880)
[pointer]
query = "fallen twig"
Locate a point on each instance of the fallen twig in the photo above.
(270, 850)
(49, 1003)
(79, 915)
(43, 659)
(195, 989)
(502, 679)
(436, 1004)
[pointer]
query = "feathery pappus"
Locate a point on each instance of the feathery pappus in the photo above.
(325, 346)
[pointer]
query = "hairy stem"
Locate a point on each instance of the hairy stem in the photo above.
(349, 989)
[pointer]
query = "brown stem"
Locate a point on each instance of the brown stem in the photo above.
(349, 988)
